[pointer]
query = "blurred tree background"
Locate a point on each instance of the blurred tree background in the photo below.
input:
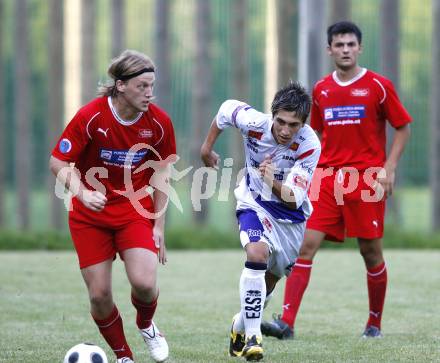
(53, 53)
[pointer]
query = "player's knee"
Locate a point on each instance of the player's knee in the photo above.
(308, 250)
(257, 253)
(310, 246)
(101, 298)
(145, 288)
(371, 256)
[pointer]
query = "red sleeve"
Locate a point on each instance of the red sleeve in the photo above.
(72, 141)
(315, 117)
(393, 109)
(167, 146)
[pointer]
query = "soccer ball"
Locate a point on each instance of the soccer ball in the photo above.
(85, 353)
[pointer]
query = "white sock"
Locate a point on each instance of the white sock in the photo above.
(238, 323)
(252, 295)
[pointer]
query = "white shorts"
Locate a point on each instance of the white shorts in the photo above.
(284, 239)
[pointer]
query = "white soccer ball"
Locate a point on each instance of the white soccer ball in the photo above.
(85, 353)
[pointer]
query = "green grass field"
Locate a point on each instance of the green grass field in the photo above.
(44, 309)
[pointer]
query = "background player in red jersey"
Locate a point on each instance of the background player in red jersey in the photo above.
(109, 140)
(349, 112)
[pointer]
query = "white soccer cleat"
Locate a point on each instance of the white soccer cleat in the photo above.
(124, 360)
(156, 343)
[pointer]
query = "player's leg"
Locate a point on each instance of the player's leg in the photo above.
(102, 308)
(139, 253)
(282, 326)
(371, 251)
(252, 296)
(95, 249)
(325, 222)
(365, 220)
(252, 284)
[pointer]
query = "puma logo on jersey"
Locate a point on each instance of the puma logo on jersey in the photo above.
(101, 130)
(375, 224)
(324, 92)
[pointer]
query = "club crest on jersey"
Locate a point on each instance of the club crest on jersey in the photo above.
(255, 134)
(145, 133)
(266, 223)
(300, 182)
(65, 146)
(360, 92)
(294, 146)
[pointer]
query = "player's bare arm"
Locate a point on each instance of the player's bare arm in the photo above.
(161, 199)
(401, 136)
(283, 192)
(209, 157)
(91, 199)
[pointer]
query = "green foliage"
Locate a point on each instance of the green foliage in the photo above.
(205, 238)
(14, 240)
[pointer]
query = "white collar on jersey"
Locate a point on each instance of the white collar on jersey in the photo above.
(351, 81)
(118, 118)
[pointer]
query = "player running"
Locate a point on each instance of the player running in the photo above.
(272, 203)
(349, 112)
(109, 140)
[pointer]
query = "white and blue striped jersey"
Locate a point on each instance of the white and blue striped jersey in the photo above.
(295, 163)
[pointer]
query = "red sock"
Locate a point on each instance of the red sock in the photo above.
(377, 285)
(112, 330)
(145, 312)
(296, 284)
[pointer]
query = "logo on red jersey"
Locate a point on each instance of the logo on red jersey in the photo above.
(360, 92)
(103, 131)
(65, 146)
(145, 133)
(325, 92)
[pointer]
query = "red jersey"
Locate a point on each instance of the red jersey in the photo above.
(98, 137)
(351, 116)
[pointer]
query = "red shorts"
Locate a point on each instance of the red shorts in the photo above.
(346, 215)
(96, 243)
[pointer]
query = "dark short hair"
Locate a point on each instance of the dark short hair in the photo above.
(343, 27)
(292, 98)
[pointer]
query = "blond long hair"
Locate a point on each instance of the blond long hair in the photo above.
(128, 62)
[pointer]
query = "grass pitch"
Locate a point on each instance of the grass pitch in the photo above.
(44, 309)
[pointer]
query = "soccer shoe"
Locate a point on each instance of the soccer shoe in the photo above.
(156, 343)
(277, 328)
(124, 360)
(253, 349)
(372, 332)
(237, 341)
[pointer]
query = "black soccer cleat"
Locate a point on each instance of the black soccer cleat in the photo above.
(253, 349)
(277, 328)
(236, 341)
(372, 331)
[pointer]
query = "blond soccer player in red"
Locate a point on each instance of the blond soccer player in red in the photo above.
(109, 141)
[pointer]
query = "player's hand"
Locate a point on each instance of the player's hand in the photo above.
(209, 157)
(267, 169)
(92, 199)
(159, 241)
(386, 178)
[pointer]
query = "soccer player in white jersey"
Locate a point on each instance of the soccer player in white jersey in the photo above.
(282, 152)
